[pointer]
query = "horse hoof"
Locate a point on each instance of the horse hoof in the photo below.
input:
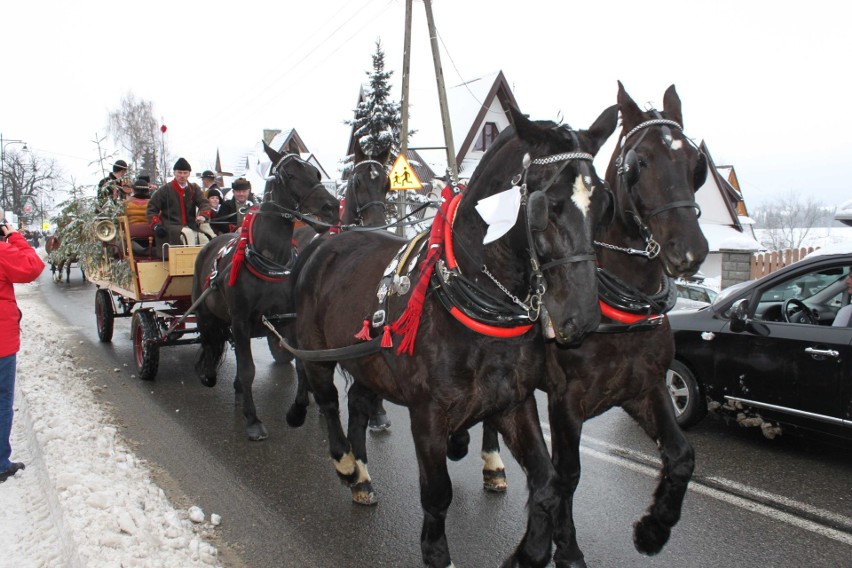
(257, 432)
(650, 535)
(494, 480)
(379, 422)
(296, 416)
(363, 494)
(580, 563)
(208, 381)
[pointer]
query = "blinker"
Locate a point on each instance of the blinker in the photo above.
(537, 211)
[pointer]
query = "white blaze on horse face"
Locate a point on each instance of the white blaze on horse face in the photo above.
(672, 143)
(582, 197)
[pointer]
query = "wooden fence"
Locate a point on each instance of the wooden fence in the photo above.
(764, 263)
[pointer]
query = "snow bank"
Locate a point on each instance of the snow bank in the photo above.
(84, 499)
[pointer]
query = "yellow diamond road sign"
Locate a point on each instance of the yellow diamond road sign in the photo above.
(402, 176)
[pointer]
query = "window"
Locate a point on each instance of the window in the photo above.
(486, 137)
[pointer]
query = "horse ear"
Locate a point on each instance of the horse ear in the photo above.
(273, 155)
(526, 129)
(671, 105)
(603, 128)
(630, 111)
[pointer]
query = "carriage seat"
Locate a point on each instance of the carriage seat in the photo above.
(139, 234)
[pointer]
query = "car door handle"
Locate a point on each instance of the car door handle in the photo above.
(822, 352)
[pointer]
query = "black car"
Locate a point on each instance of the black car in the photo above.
(765, 351)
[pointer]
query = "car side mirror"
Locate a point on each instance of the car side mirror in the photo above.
(739, 316)
(740, 321)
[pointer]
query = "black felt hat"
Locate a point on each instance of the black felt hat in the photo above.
(214, 192)
(241, 183)
(182, 165)
(208, 175)
(119, 165)
(140, 186)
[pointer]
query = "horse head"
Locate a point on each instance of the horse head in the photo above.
(366, 190)
(546, 259)
(296, 189)
(655, 171)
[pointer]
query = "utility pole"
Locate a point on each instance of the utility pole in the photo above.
(406, 68)
(442, 94)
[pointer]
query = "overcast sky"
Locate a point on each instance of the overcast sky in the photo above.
(763, 83)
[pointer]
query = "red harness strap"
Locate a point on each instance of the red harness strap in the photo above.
(247, 238)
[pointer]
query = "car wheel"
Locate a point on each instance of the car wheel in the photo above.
(689, 406)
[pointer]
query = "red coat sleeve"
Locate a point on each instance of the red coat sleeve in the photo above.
(22, 265)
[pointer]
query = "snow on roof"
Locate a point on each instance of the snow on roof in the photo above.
(726, 237)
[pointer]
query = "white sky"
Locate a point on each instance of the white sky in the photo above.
(762, 82)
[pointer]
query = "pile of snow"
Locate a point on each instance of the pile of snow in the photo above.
(84, 499)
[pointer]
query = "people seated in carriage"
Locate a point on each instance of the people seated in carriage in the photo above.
(135, 209)
(208, 182)
(115, 186)
(177, 210)
(219, 225)
(234, 209)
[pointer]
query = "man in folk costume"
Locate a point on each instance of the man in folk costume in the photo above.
(115, 186)
(208, 182)
(178, 209)
(234, 210)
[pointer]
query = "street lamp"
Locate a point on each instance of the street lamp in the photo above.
(3, 144)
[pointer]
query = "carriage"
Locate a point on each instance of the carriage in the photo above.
(156, 294)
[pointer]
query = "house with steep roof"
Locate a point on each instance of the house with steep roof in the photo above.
(235, 162)
(724, 218)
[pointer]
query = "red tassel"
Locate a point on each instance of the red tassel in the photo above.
(387, 340)
(364, 334)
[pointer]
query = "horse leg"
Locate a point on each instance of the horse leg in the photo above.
(299, 409)
(436, 488)
(213, 334)
(493, 470)
(457, 445)
(521, 429)
(566, 425)
(656, 416)
(245, 375)
(321, 377)
(379, 419)
(362, 405)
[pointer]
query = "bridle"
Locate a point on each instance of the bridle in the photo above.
(359, 208)
(272, 208)
(628, 171)
(480, 306)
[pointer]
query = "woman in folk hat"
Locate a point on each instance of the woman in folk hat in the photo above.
(137, 203)
(219, 225)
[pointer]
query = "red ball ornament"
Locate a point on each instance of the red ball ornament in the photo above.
(163, 129)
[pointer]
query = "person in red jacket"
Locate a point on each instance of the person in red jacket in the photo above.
(19, 264)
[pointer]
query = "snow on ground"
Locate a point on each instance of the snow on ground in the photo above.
(84, 499)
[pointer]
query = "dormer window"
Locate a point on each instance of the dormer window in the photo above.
(486, 137)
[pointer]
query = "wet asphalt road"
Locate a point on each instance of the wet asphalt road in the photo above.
(754, 502)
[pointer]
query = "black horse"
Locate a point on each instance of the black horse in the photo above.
(248, 275)
(452, 377)
(363, 207)
(655, 171)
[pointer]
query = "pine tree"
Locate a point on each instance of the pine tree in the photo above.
(377, 119)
